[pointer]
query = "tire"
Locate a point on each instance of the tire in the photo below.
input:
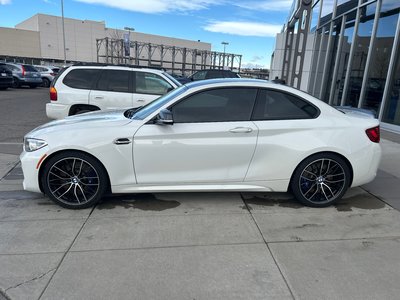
(74, 180)
(33, 86)
(320, 180)
(3, 87)
(45, 83)
(16, 84)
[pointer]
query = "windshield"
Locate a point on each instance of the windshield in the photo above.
(148, 109)
(177, 83)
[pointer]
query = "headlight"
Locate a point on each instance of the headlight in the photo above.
(33, 144)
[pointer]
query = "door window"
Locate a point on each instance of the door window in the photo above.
(217, 105)
(277, 105)
(149, 83)
(114, 81)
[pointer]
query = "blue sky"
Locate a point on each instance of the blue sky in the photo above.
(248, 26)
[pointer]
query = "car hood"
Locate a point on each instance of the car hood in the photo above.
(104, 119)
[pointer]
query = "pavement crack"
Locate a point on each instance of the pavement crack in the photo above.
(30, 280)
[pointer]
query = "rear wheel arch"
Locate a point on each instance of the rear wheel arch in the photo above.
(321, 179)
(327, 152)
(81, 108)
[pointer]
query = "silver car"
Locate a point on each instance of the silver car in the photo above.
(48, 73)
(24, 74)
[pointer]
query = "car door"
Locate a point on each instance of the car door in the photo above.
(212, 140)
(112, 90)
(148, 87)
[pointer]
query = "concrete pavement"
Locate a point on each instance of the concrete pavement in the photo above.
(202, 245)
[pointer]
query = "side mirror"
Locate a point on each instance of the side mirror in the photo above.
(164, 117)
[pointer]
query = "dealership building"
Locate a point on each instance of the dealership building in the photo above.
(344, 53)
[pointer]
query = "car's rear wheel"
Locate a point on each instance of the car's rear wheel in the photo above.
(320, 180)
(74, 180)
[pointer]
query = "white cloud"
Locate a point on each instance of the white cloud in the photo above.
(4, 2)
(244, 28)
(271, 5)
(155, 6)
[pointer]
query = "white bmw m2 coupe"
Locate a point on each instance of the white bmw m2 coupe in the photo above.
(212, 135)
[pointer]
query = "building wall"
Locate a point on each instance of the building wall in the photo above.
(17, 42)
(81, 35)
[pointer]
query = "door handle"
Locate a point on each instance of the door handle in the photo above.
(122, 141)
(241, 130)
(98, 97)
(141, 100)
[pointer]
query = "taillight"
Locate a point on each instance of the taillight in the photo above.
(53, 74)
(373, 134)
(23, 71)
(53, 94)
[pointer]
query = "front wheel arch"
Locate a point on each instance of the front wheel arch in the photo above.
(40, 173)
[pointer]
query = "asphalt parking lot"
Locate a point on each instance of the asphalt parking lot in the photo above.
(193, 245)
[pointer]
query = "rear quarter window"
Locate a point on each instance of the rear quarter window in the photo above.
(279, 105)
(81, 78)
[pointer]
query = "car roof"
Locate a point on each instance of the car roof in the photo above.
(115, 67)
(222, 81)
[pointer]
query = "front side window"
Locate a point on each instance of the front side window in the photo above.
(81, 78)
(217, 105)
(149, 83)
(114, 81)
(277, 105)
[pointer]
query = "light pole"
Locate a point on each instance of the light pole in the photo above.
(63, 30)
(223, 59)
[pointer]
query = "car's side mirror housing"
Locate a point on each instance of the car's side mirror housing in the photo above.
(164, 117)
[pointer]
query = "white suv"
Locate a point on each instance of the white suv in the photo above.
(83, 88)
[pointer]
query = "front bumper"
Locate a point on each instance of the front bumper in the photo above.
(30, 169)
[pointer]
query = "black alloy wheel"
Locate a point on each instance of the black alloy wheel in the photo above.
(320, 180)
(74, 180)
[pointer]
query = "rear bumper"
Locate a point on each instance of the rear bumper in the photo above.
(6, 81)
(366, 165)
(57, 111)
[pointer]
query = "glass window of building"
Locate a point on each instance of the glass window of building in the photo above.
(380, 58)
(367, 14)
(315, 16)
(332, 58)
(344, 6)
(344, 57)
(326, 11)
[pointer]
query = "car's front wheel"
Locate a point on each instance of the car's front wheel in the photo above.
(74, 179)
(320, 180)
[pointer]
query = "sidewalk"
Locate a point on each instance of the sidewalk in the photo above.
(202, 245)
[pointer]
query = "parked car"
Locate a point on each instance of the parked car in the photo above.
(6, 78)
(83, 88)
(48, 73)
(214, 135)
(212, 74)
(24, 74)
